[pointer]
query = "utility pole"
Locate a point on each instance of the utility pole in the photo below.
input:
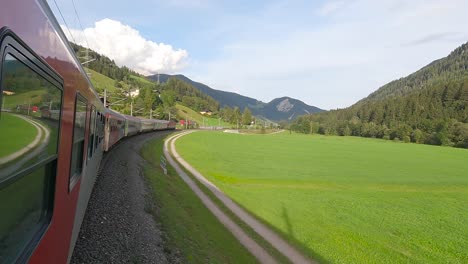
(186, 122)
(169, 114)
(131, 108)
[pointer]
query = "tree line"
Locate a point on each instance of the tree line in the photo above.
(436, 116)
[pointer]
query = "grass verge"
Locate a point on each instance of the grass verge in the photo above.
(190, 228)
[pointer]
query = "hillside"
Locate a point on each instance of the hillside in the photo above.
(184, 112)
(429, 106)
(454, 66)
(278, 109)
(224, 98)
(149, 97)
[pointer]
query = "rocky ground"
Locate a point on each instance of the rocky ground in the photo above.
(118, 227)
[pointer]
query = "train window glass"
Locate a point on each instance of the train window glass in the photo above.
(78, 140)
(98, 130)
(28, 214)
(92, 128)
(30, 111)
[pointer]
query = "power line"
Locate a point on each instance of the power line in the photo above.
(79, 21)
(64, 21)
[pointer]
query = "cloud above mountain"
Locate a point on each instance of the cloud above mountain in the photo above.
(126, 46)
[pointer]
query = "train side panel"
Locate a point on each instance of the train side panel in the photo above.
(133, 125)
(39, 34)
(114, 129)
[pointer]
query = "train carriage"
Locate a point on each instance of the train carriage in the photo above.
(132, 125)
(147, 125)
(114, 128)
(45, 93)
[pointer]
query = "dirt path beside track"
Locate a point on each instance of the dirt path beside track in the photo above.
(269, 235)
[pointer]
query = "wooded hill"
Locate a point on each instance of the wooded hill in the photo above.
(277, 109)
(154, 99)
(429, 106)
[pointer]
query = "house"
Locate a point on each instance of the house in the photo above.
(206, 112)
(8, 92)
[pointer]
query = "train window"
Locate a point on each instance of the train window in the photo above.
(98, 130)
(30, 112)
(78, 140)
(92, 128)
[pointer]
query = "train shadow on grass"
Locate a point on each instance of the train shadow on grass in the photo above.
(293, 240)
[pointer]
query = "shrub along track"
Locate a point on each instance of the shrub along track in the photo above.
(276, 241)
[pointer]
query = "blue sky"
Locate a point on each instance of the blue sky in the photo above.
(327, 53)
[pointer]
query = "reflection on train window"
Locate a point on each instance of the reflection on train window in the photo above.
(96, 135)
(92, 128)
(30, 106)
(30, 112)
(78, 140)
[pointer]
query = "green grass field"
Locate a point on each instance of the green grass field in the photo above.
(191, 229)
(345, 199)
(16, 134)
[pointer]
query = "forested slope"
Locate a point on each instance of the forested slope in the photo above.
(153, 99)
(429, 106)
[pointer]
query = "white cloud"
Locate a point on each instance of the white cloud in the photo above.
(126, 46)
(330, 7)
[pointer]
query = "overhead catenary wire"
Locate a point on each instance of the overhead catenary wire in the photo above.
(64, 21)
(79, 22)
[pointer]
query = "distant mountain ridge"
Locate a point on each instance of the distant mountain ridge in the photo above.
(282, 108)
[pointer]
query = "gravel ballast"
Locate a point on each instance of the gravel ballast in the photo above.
(117, 227)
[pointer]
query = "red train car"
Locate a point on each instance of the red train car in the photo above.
(41, 179)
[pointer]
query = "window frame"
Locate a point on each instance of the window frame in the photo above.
(11, 44)
(91, 132)
(75, 177)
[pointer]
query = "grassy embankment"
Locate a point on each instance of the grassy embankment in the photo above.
(190, 228)
(187, 113)
(102, 82)
(345, 199)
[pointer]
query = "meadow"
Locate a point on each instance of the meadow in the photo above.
(344, 199)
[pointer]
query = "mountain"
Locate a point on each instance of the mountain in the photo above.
(429, 106)
(285, 108)
(276, 110)
(454, 66)
(224, 98)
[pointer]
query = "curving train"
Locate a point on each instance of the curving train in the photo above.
(54, 130)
